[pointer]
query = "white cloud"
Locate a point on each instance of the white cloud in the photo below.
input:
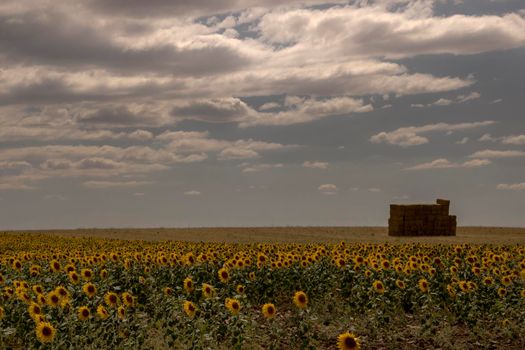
(497, 154)
(315, 165)
(507, 140)
(328, 189)
(443, 163)
(447, 102)
(513, 140)
(463, 141)
(374, 190)
(253, 168)
(114, 184)
(410, 136)
(192, 193)
(237, 153)
(307, 110)
(57, 197)
(472, 96)
(269, 105)
(486, 137)
(512, 187)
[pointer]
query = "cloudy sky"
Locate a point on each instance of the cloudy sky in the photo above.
(237, 112)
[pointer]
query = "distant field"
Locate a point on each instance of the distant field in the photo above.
(477, 235)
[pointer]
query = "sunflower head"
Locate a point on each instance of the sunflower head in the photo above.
(121, 312)
(128, 299)
(348, 341)
(300, 299)
(188, 284)
(34, 310)
(102, 312)
(45, 332)
(53, 299)
(400, 284)
(423, 285)
(224, 275)
(89, 289)
(87, 274)
(379, 287)
(83, 313)
(207, 290)
(233, 305)
(240, 289)
(189, 308)
(268, 310)
(111, 299)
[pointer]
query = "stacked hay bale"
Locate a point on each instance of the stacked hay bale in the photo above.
(422, 220)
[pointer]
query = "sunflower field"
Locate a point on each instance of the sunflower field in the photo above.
(93, 293)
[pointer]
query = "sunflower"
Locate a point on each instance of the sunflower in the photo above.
(348, 341)
(89, 289)
(41, 299)
(2, 312)
(300, 299)
(111, 299)
(121, 312)
(224, 275)
(268, 310)
(53, 299)
(45, 332)
(86, 274)
(189, 308)
(168, 291)
(38, 289)
(379, 287)
(188, 284)
(34, 310)
(62, 292)
(252, 276)
(54, 266)
(451, 291)
(240, 289)
(472, 286)
(207, 291)
(488, 280)
(502, 292)
(102, 312)
(400, 284)
(423, 285)
(83, 313)
(104, 274)
(73, 277)
(463, 285)
(127, 299)
(506, 280)
(233, 305)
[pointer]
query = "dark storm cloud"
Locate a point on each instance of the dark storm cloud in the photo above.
(113, 115)
(166, 8)
(52, 38)
(215, 110)
(47, 90)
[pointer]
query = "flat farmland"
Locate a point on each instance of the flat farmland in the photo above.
(365, 234)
